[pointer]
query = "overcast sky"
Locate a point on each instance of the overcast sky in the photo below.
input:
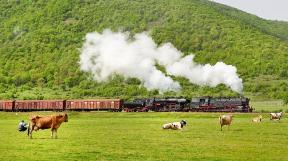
(268, 9)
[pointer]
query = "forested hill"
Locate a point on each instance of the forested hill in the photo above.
(40, 42)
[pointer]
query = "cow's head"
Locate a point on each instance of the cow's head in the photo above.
(183, 123)
(260, 116)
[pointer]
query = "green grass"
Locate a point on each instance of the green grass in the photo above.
(138, 136)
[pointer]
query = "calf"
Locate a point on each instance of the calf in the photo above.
(225, 120)
(52, 122)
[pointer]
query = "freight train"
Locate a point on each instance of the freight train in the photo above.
(196, 104)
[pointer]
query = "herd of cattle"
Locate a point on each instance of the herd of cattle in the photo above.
(227, 119)
(223, 120)
(196, 104)
(53, 122)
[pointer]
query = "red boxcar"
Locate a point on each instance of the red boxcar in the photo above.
(38, 105)
(97, 104)
(6, 105)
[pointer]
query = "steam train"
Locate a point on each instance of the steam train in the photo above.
(196, 104)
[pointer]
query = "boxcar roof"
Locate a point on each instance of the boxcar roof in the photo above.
(37, 100)
(95, 100)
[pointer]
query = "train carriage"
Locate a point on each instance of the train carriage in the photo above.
(39, 105)
(95, 104)
(6, 105)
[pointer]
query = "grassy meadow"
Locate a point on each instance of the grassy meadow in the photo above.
(138, 136)
(269, 106)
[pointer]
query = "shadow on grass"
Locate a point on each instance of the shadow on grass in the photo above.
(47, 138)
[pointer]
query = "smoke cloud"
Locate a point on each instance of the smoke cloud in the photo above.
(112, 53)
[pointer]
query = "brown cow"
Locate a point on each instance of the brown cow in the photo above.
(52, 122)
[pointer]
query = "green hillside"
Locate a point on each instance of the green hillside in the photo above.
(40, 42)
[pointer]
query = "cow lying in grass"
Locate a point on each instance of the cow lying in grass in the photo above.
(175, 125)
(52, 122)
(257, 119)
(225, 120)
(276, 116)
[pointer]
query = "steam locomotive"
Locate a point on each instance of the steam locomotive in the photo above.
(196, 104)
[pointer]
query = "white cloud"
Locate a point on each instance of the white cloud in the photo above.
(112, 53)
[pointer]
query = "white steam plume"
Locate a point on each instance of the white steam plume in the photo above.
(112, 53)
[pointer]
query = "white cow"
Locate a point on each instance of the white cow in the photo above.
(175, 125)
(276, 116)
(257, 119)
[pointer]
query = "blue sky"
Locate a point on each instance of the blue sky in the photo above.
(267, 9)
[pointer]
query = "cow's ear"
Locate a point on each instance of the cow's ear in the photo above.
(35, 118)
